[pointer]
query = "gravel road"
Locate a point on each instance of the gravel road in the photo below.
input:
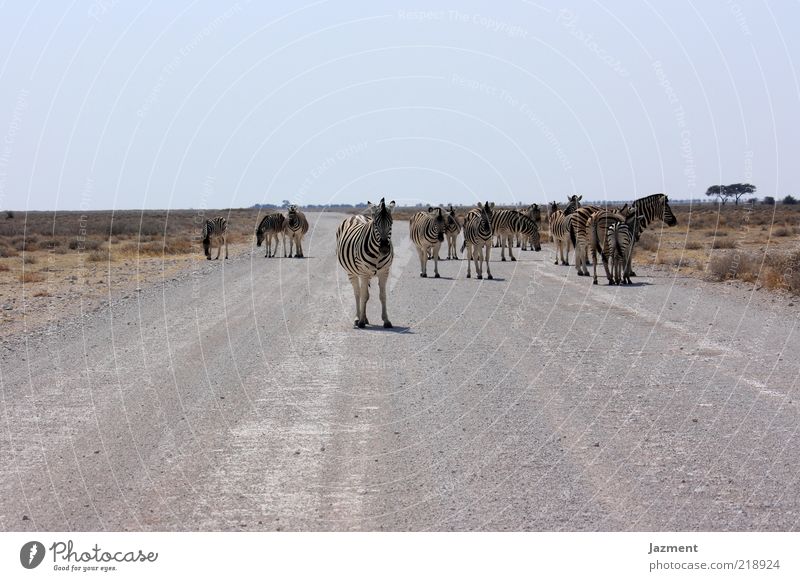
(240, 397)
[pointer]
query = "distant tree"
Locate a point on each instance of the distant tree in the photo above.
(717, 192)
(769, 200)
(789, 200)
(285, 204)
(9, 215)
(752, 201)
(738, 190)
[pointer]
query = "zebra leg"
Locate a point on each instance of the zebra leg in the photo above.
(436, 261)
(356, 282)
(609, 276)
(423, 262)
(365, 298)
(488, 270)
(510, 240)
(382, 278)
(594, 259)
(469, 259)
(477, 256)
(298, 250)
(226, 248)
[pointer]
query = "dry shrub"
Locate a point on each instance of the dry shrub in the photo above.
(781, 232)
(83, 245)
(4, 268)
(29, 259)
(735, 265)
(785, 269)
(162, 247)
(8, 252)
(723, 243)
(99, 256)
(693, 245)
(31, 276)
(42, 293)
(716, 233)
(648, 241)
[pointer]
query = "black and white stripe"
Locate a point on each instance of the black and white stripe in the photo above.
(215, 234)
(534, 213)
(294, 228)
(619, 244)
(507, 223)
(652, 208)
(597, 239)
(478, 238)
(364, 249)
(270, 228)
(427, 233)
(559, 232)
(452, 228)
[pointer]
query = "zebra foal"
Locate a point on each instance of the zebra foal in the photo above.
(269, 229)
(364, 249)
(215, 234)
(294, 228)
(427, 233)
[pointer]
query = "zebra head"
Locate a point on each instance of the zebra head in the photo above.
(486, 217)
(291, 216)
(382, 223)
(574, 202)
(451, 216)
(669, 217)
(535, 212)
(439, 223)
(552, 209)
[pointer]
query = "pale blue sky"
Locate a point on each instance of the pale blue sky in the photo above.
(119, 104)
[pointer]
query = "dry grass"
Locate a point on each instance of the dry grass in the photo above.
(753, 244)
(4, 268)
(31, 276)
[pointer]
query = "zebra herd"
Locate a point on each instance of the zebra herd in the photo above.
(364, 242)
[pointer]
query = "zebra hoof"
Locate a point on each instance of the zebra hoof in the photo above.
(503, 259)
(423, 275)
(436, 275)
(480, 277)
(594, 281)
(361, 324)
(387, 325)
(556, 263)
(490, 277)
(632, 273)
(513, 259)
(468, 276)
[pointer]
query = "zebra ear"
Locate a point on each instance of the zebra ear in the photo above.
(490, 205)
(391, 205)
(430, 208)
(480, 205)
(580, 197)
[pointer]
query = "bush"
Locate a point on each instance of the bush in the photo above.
(83, 245)
(769, 200)
(31, 276)
(723, 243)
(693, 245)
(648, 242)
(734, 265)
(99, 256)
(29, 259)
(9, 215)
(781, 232)
(4, 268)
(789, 200)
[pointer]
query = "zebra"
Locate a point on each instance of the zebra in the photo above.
(579, 235)
(573, 203)
(451, 231)
(294, 228)
(534, 213)
(270, 228)
(364, 249)
(597, 228)
(507, 223)
(651, 208)
(478, 237)
(559, 232)
(620, 239)
(215, 234)
(427, 234)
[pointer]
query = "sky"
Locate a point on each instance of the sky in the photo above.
(113, 104)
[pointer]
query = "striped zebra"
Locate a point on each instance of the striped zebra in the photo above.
(620, 239)
(579, 236)
(559, 232)
(451, 231)
(534, 213)
(597, 228)
(573, 203)
(651, 208)
(478, 237)
(507, 223)
(294, 228)
(427, 234)
(364, 249)
(215, 234)
(270, 228)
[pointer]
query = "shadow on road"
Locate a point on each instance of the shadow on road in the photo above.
(380, 328)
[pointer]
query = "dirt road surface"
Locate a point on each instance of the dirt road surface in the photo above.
(240, 397)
